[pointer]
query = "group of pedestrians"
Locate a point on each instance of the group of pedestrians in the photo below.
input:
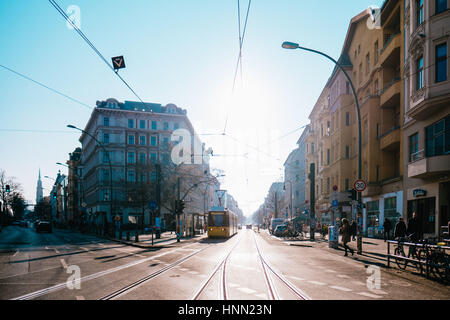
(413, 230)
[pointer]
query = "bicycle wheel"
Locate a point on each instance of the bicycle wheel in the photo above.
(440, 266)
(421, 255)
(400, 262)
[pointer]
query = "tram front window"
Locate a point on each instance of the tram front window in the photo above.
(217, 220)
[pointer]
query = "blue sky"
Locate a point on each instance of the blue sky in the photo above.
(181, 52)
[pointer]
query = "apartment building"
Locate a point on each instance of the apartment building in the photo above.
(427, 113)
(134, 138)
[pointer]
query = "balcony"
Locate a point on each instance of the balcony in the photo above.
(390, 53)
(422, 167)
(390, 140)
(390, 94)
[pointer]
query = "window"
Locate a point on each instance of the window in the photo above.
(347, 118)
(378, 131)
(131, 157)
(419, 75)
(328, 128)
(142, 177)
(347, 152)
(106, 121)
(153, 157)
(176, 126)
(376, 51)
(166, 126)
(130, 176)
(153, 141)
(165, 158)
(131, 139)
(441, 6)
(328, 157)
(142, 124)
(106, 138)
(142, 140)
(153, 176)
(106, 157)
(373, 214)
(359, 48)
(438, 138)
(328, 185)
(347, 87)
(441, 62)
(321, 129)
(130, 123)
(105, 174)
(142, 158)
(154, 125)
(165, 141)
(419, 12)
(360, 72)
(312, 148)
(321, 157)
(413, 147)
(390, 210)
(368, 63)
(377, 87)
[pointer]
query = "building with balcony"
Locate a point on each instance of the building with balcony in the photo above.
(427, 113)
(138, 150)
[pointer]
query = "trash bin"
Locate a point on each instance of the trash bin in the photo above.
(333, 236)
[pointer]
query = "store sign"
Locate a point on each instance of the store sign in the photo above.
(419, 193)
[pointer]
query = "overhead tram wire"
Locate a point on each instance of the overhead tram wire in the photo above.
(47, 87)
(239, 60)
(83, 36)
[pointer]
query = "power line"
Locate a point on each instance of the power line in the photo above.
(47, 87)
(35, 131)
(83, 36)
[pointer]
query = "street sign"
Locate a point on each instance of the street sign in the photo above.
(118, 62)
(152, 205)
(334, 203)
(360, 185)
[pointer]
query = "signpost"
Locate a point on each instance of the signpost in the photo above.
(118, 63)
(359, 186)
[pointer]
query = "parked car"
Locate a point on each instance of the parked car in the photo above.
(281, 230)
(249, 226)
(239, 226)
(43, 226)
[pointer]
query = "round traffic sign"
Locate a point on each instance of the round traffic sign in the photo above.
(360, 185)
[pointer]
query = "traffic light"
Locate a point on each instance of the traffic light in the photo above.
(181, 206)
(54, 195)
(352, 194)
(7, 188)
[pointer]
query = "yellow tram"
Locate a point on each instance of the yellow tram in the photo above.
(222, 223)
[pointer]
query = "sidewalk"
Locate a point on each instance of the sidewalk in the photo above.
(145, 240)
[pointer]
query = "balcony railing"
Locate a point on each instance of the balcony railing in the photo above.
(389, 131)
(394, 80)
(389, 41)
(416, 156)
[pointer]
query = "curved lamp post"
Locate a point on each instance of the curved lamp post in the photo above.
(293, 45)
(110, 171)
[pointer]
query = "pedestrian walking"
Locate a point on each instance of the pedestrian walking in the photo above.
(414, 228)
(346, 235)
(387, 226)
(400, 229)
(353, 230)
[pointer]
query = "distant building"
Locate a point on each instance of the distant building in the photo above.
(39, 189)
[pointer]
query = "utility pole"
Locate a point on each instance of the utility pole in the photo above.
(178, 227)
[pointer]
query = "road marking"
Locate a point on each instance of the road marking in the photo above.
(246, 290)
(85, 249)
(378, 291)
(317, 282)
(80, 298)
(193, 272)
(329, 270)
(360, 283)
(233, 285)
(341, 288)
(183, 269)
(262, 296)
(369, 295)
(343, 276)
(63, 262)
(297, 278)
(56, 250)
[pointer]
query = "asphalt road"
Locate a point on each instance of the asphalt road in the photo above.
(253, 266)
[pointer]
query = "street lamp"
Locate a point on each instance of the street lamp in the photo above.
(110, 171)
(293, 45)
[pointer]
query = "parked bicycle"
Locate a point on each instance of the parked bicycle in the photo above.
(415, 257)
(438, 262)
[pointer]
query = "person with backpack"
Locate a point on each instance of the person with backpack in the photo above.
(346, 235)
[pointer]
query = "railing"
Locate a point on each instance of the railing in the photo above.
(389, 41)
(416, 156)
(389, 131)
(394, 80)
(433, 259)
